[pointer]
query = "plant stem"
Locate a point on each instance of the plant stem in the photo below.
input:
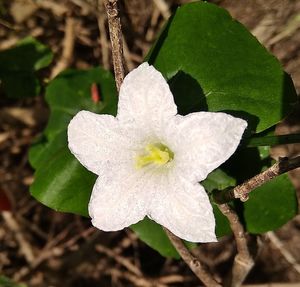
(195, 265)
(243, 261)
(283, 165)
(273, 140)
(242, 191)
(115, 33)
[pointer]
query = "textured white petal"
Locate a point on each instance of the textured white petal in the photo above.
(120, 199)
(203, 141)
(99, 142)
(145, 98)
(184, 209)
(169, 194)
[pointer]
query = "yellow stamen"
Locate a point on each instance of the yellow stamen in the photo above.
(157, 154)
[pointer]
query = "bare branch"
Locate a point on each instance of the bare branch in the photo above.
(25, 247)
(115, 32)
(243, 261)
(68, 47)
(195, 265)
(118, 62)
(103, 38)
(280, 167)
(242, 191)
(285, 253)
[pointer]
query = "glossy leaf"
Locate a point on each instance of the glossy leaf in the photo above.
(154, 236)
(219, 180)
(6, 282)
(274, 140)
(61, 182)
(71, 92)
(43, 150)
(271, 205)
(18, 67)
(213, 63)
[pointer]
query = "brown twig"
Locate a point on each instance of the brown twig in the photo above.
(115, 32)
(153, 22)
(68, 47)
(285, 253)
(118, 59)
(174, 279)
(129, 63)
(103, 38)
(138, 281)
(25, 247)
(280, 167)
(195, 265)
(242, 191)
(120, 259)
(163, 7)
(243, 261)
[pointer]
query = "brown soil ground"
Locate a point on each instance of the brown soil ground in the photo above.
(41, 247)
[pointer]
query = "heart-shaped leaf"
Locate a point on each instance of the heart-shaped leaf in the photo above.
(61, 182)
(18, 67)
(215, 64)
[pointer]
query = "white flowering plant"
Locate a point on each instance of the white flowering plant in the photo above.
(196, 118)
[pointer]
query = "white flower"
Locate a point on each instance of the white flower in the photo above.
(149, 159)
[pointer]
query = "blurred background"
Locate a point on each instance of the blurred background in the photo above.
(41, 247)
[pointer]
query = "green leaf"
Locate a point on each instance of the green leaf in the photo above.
(70, 92)
(273, 140)
(18, 67)
(213, 63)
(271, 205)
(6, 282)
(219, 180)
(61, 182)
(43, 150)
(154, 236)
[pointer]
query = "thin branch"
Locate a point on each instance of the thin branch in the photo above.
(285, 253)
(120, 259)
(115, 32)
(283, 165)
(68, 48)
(103, 38)
(195, 265)
(243, 261)
(163, 7)
(272, 140)
(118, 59)
(129, 63)
(25, 247)
(242, 191)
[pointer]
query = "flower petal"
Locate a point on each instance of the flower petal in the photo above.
(145, 96)
(203, 141)
(98, 141)
(120, 199)
(184, 209)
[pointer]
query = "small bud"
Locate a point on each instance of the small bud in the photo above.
(95, 93)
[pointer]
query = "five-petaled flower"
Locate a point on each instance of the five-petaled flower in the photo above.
(150, 160)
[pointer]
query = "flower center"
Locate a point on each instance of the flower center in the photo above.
(157, 154)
